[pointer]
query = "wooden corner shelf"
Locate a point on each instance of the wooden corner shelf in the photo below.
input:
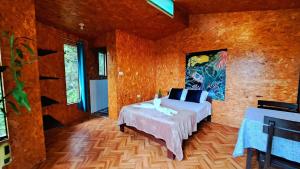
(46, 101)
(48, 78)
(50, 122)
(44, 52)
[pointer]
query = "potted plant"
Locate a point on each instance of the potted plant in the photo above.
(20, 54)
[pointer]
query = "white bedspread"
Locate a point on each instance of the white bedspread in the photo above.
(201, 109)
(172, 129)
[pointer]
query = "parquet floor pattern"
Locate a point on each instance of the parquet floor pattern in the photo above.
(98, 143)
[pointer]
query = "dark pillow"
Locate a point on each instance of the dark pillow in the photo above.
(175, 94)
(193, 96)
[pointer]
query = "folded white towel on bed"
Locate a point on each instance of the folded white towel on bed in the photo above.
(144, 105)
(166, 111)
(156, 102)
(156, 106)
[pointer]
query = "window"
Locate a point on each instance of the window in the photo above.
(3, 122)
(166, 6)
(102, 60)
(71, 73)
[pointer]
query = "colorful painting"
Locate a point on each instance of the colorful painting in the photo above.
(207, 71)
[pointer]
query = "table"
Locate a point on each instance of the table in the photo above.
(251, 135)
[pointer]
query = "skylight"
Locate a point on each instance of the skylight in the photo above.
(166, 6)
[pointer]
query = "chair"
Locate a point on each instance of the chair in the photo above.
(281, 106)
(279, 128)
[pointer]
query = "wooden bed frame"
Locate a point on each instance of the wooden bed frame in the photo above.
(161, 141)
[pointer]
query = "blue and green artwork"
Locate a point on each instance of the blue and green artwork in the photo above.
(207, 71)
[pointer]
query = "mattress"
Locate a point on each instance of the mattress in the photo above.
(172, 129)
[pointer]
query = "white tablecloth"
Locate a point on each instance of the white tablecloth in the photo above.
(251, 134)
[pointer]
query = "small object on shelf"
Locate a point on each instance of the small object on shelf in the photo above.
(44, 52)
(46, 101)
(48, 78)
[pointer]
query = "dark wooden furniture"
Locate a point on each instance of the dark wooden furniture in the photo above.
(50, 122)
(280, 128)
(281, 106)
(44, 52)
(48, 78)
(151, 137)
(161, 141)
(46, 101)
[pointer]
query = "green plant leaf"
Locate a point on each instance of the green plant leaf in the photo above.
(13, 106)
(29, 49)
(18, 63)
(19, 53)
(5, 34)
(12, 40)
(18, 73)
(20, 96)
(19, 85)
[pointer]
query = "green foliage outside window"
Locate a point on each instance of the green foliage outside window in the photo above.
(3, 132)
(102, 64)
(71, 73)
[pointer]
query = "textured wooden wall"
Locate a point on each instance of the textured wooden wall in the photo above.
(135, 57)
(26, 131)
(53, 65)
(264, 57)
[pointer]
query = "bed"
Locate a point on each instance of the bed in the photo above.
(170, 131)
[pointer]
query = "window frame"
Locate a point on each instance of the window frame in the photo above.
(104, 51)
(4, 138)
(79, 99)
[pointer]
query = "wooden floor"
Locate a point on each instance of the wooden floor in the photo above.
(98, 143)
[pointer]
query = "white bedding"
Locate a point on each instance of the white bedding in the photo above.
(201, 109)
(172, 129)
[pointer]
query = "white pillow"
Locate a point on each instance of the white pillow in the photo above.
(203, 96)
(169, 92)
(183, 94)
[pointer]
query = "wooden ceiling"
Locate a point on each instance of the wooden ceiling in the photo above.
(137, 16)
(217, 6)
(99, 16)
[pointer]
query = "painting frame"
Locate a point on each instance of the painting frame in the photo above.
(206, 70)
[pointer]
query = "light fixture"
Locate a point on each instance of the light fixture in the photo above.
(81, 25)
